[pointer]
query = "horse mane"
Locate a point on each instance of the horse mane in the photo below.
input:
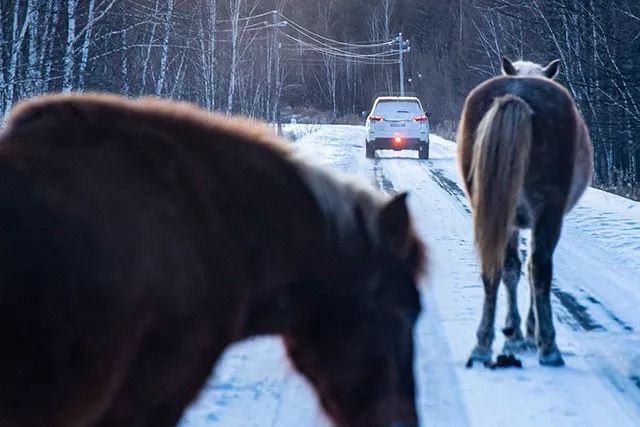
(345, 201)
(338, 195)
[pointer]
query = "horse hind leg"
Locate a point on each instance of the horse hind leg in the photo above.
(515, 342)
(531, 316)
(545, 237)
(485, 333)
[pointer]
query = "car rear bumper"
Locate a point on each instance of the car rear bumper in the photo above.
(390, 144)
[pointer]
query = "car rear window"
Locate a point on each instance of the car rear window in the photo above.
(397, 109)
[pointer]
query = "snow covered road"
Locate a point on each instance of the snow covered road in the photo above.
(596, 305)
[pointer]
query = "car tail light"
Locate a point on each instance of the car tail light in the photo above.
(375, 118)
(397, 140)
(420, 119)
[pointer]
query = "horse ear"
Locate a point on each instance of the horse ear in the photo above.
(551, 70)
(507, 67)
(393, 224)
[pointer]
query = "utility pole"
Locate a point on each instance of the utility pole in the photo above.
(276, 23)
(276, 107)
(402, 44)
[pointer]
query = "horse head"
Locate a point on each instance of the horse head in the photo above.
(352, 336)
(530, 69)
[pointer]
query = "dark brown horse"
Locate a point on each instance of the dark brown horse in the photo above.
(138, 239)
(525, 156)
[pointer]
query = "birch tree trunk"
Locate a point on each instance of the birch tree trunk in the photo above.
(234, 16)
(204, 60)
(165, 48)
(387, 12)
(147, 59)
(85, 44)
(2, 79)
(69, 59)
(207, 36)
(55, 15)
(17, 37)
(278, 74)
(46, 35)
(34, 76)
(214, 73)
(331, 73)
(124, 69)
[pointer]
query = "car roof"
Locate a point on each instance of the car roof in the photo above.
(396, 98)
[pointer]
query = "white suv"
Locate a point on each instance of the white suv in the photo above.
(397, 123)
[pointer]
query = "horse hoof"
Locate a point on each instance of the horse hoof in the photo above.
(507, 361)
(554, 358)
(482, 356)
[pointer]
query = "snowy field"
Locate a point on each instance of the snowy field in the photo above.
(596, 298)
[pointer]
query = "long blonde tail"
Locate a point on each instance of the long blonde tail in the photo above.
(500, 159)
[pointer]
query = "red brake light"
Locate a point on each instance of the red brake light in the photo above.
(397, 140)
(374, 118)
(422, 118)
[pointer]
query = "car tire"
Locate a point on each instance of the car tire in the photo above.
(370, 151)
(423, 151)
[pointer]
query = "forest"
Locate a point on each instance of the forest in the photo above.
(262, 58)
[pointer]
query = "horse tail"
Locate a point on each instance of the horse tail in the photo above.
(499, 161)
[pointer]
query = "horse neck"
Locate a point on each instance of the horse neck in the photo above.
(317, 232)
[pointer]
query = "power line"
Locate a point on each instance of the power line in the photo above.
(328, 46)
(342, 54)
(246, 18)
(310, 46)
(345, 51)
(309, 41)
(250, 27)
(337, 42)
